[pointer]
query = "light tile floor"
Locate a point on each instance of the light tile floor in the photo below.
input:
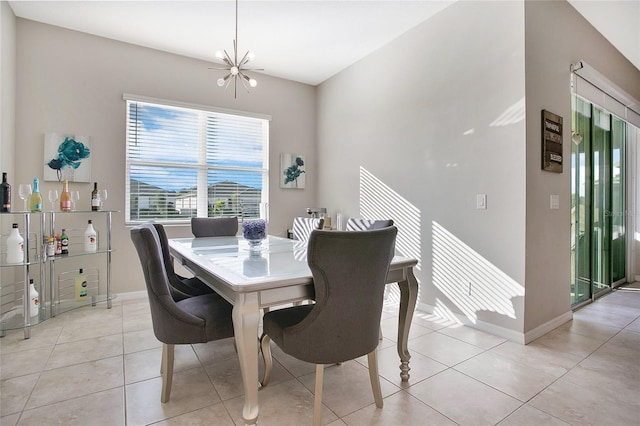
(95, 366)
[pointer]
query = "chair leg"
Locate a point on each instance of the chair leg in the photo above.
(317, 401)
(167, 371)
(265, 349)
(372, 360)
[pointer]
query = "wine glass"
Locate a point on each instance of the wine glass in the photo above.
(53, 197)
(75, 197)
(102, 194)
(25, 192)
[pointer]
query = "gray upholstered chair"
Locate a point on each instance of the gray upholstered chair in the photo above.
(214, 226)
(179, 286)
(302, 227)
(357, 224)
(349, 273)
(197, 319)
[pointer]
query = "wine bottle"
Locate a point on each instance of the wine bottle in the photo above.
(15, 246)
(6, 194)
(35, 201)
(65, 198)
(64, 242)
(90, 238)
(95, 198)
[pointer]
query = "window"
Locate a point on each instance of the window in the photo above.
(188, 161)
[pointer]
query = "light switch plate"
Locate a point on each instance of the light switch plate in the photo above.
(554, 202)
(481, 201)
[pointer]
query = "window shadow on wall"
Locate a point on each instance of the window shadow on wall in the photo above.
(468, 280)
(379, 201)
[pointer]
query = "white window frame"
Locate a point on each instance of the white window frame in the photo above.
(202, 167)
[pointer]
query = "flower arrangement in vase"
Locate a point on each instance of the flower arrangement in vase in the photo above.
(254, 231)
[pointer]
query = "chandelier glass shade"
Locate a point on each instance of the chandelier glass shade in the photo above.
(236, 69)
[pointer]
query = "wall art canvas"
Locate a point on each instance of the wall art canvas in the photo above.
(67, 157)
(292, 173)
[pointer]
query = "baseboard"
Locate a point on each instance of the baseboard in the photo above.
(548, 326)
(131, 295)
(512, 335)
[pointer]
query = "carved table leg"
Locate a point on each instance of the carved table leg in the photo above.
(245, 326)
(408, 298)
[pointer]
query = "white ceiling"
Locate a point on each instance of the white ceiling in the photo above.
(302, 40)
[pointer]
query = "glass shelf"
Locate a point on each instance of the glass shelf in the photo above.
(42, 269)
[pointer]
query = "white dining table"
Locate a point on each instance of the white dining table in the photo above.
(274, 275)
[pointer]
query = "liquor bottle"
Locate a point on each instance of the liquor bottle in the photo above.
(34, 302)
(15, 246)
(64, 242)
(95, 197)
(35, 201)
(65, 198)
(90, 238)
(51, 247)
(6, 194)
(58, 245)
(81, 286)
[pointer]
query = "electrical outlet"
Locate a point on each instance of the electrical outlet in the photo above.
(481, 201)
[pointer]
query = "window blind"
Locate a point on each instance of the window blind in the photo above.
(189, 162)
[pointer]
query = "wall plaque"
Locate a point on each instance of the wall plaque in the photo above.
(551, 142)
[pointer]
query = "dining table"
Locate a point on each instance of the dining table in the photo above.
(273, 274)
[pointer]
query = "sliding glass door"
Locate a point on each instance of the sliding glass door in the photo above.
(618, 202)
(581, 202)
(598, 201)
(601, 207)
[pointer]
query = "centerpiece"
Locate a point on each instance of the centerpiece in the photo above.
(254, 231)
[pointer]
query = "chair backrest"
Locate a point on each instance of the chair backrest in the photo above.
(349, 276)
(176, 287)
(214, 226)
(357, 224)
(171, 324)
(302, 227)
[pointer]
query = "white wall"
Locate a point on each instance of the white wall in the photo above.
(73, 82)
(413, 132)
(7, 107)
(556, 36)
(7, 89)
(437, 117)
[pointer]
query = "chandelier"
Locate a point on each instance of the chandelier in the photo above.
(236, 70)
(576, 137)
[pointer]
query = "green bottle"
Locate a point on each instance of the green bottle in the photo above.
(35, 201)
(64, 241)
